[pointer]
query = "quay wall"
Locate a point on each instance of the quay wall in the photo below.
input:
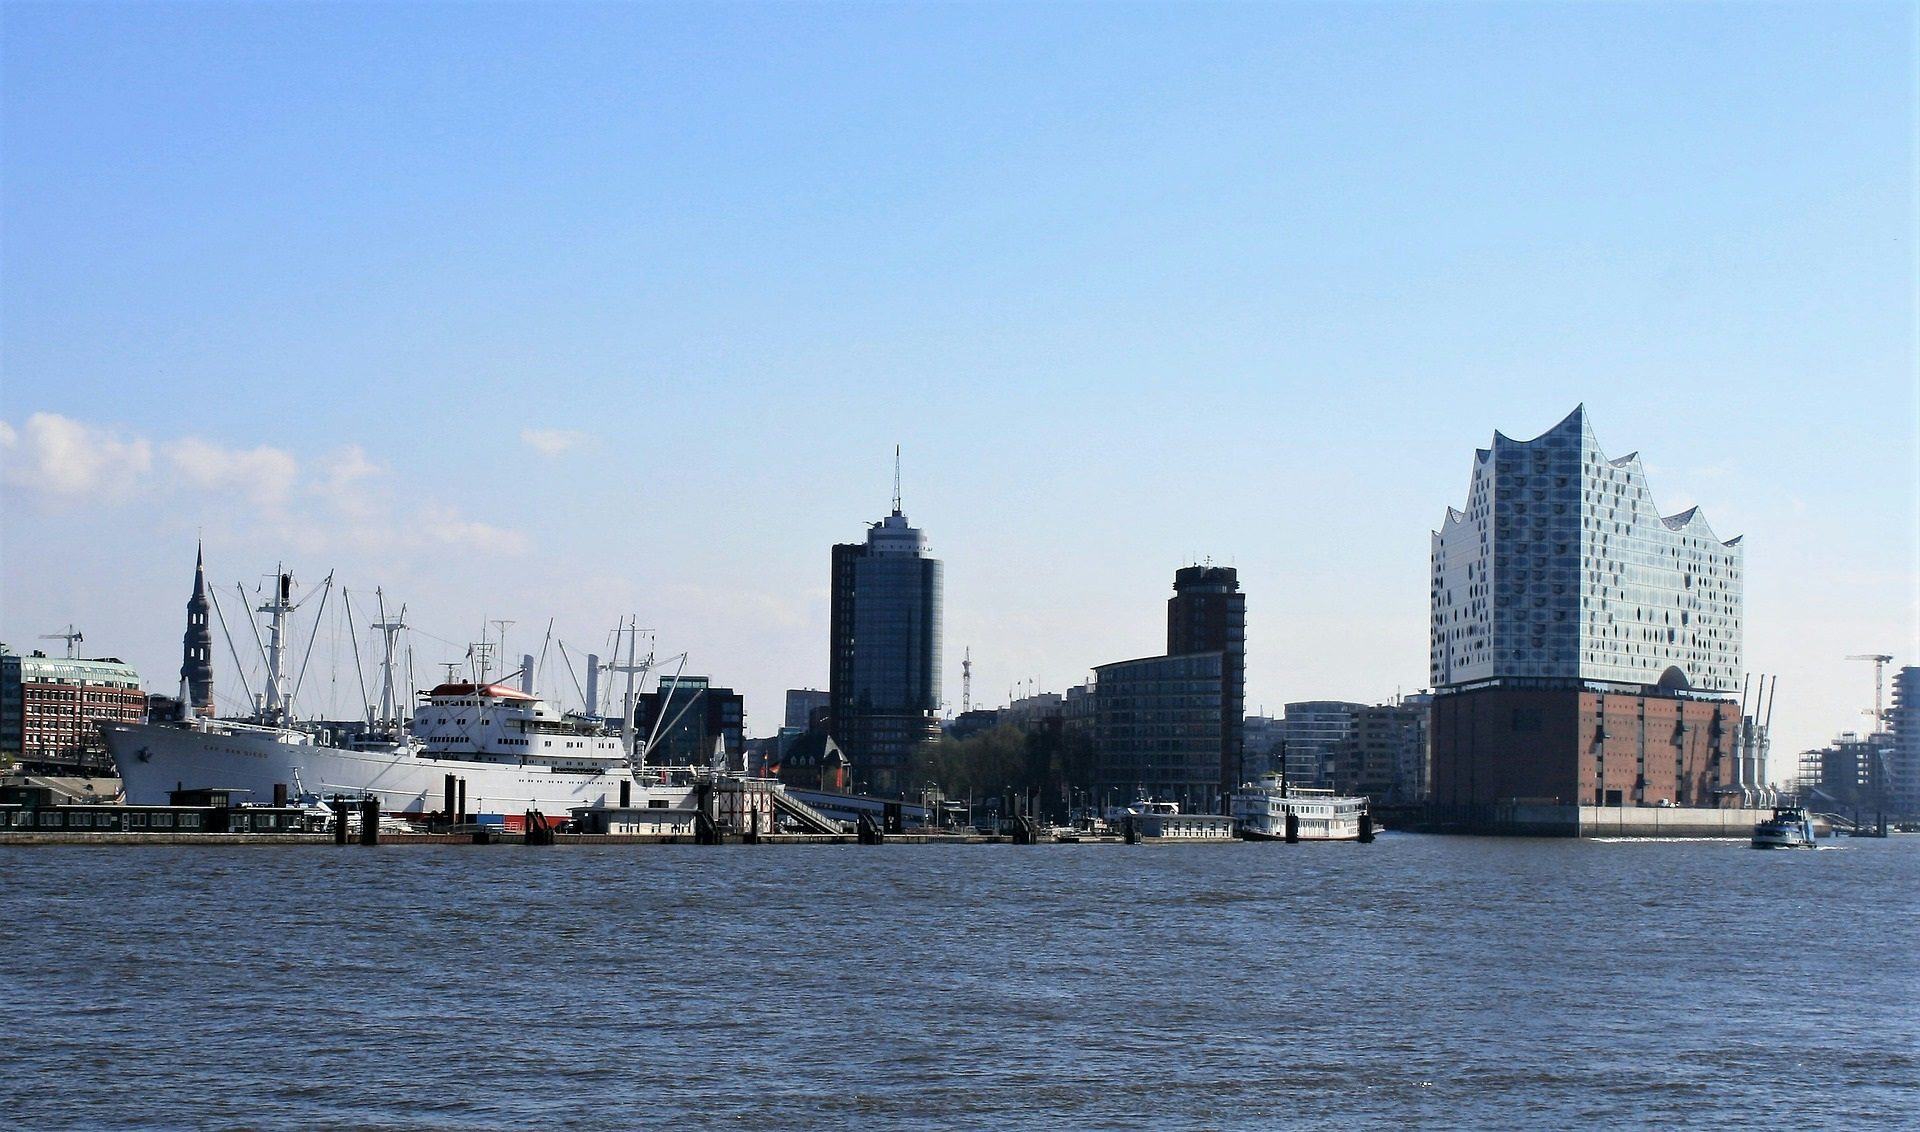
(1664, 821)
(66, 837)
(1524, 819)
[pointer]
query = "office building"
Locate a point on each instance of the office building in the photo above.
(1171, 727)
(805, 707)
(1903, 724)
(51, 710)
(686, 720)
(1850, 774)
(1207, 613)
(884, 686)
(1311, 733)
(1384, 753)
(1260, 743)
(1583, 645)
(1158, 730)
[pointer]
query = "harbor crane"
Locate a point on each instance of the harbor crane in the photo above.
(72, 636)
(1880, 661)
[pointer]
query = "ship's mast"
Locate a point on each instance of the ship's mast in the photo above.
(274, 709)
(633, 667)
(389, 630)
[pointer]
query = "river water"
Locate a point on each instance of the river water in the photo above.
(1416, 982)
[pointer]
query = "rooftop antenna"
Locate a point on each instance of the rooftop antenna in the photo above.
(74, 636)
(896, 479)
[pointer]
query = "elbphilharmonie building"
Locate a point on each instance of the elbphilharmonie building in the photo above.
(1585, 648)
(1561, 567)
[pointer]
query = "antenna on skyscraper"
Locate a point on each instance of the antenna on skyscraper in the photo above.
(896, 479)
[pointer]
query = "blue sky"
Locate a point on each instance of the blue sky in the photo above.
(578, 311)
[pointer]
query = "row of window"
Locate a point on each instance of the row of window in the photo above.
(57, 819)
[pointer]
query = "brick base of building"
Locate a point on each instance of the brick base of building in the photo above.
(1501, 746)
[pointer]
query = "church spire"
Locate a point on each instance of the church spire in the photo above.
(196, 663)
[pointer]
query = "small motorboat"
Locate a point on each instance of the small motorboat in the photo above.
(1790, 827)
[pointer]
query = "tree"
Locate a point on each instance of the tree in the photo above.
(1042, 762)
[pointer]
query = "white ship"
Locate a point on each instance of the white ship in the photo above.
(485, 747)
(505, 751)
(1262, 809)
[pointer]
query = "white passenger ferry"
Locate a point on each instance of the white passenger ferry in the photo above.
(1262, 811)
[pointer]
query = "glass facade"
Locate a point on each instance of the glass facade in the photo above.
(885, 671)
(1208, 613)
(1314, 731)
(1158, 729)
(1903, 722)
(1562, 568)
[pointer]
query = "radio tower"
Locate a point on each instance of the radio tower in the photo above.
(966, 681)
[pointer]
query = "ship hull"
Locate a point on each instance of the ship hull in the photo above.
(1345, 830)
(157, 758)
(1261, 815)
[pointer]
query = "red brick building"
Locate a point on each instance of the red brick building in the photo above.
(51, 710)
(1567, 747)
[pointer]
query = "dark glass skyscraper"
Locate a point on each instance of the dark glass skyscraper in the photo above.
(1208, 613)
(1172, 727)
(885, 669)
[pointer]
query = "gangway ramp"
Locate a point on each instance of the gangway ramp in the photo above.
(810, 819)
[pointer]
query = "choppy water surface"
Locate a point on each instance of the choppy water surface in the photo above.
(1419, 981)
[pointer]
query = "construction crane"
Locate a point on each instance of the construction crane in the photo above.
(72, 636)
(1880, 661)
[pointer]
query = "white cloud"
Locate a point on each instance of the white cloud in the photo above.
(551, 442)
(451, 529)
(345, 488)
(69, 460)
(264, 475)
